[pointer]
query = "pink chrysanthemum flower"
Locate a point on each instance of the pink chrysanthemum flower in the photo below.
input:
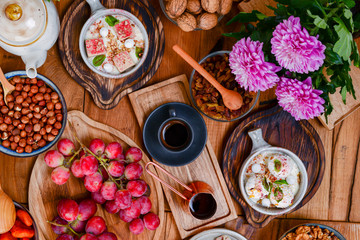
(249, 67)
(299, 98)
(295, 49)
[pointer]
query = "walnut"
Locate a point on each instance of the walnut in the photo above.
(174, 8)
(194, 6)
(207, 21)
(302, 236)
(302, 229)
(187, 22)
(210, 6)
(225, 6)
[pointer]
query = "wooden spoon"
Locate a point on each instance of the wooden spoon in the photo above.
(7, 87)
(7, 213)
(232, 99)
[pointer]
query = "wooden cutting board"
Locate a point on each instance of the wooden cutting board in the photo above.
(44, 194)
(205, 168)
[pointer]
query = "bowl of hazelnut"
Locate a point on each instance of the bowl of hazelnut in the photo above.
(34, 117)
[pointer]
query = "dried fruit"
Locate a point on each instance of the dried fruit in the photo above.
(210, 6)
(225, 6)
(207, 21)
(194, 6)
(187, 22)
(174, 8)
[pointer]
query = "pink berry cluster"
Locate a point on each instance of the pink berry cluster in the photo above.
(77, 222)
(112, 177)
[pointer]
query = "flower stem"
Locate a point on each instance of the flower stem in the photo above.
(67, 226)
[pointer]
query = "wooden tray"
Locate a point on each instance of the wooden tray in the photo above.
(44, 194)
(205, 168)
(279, 129)
(107, 92)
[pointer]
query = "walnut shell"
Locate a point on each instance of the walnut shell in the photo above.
(174, 8)
(187, 22)
(225, 6)
(194, 6)
(207, 21)
(210, 6)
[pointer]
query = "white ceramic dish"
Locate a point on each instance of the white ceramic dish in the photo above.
(217, 232)
(98, 11)
(261, 146)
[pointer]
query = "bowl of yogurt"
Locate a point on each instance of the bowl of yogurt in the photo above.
(272, 180)
(113, 42)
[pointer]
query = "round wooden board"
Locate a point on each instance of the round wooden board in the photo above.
(107, 92)
(44, 194)
(279, 129)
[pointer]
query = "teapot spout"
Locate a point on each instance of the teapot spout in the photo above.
(32, 61)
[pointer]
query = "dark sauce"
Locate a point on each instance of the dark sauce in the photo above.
(203, 206)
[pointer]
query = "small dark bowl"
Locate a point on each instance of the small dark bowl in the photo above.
(36, 152)
(336, 233)
(18, 205)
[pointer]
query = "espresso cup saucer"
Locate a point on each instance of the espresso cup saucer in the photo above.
(155, 147)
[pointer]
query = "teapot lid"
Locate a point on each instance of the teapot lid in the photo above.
(22, 21)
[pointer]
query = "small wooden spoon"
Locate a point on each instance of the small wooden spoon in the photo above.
(7, 213)
(232, 99)
(7, 87)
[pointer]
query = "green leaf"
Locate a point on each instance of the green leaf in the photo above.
(349, 3)
(318, 21)
(349, 19)
(112, 21)
(237, 35)
(355, 55)
(98, 60)
(331, 56)
(277, 165)
(343, 45)
(248, 17)
(281, 182)
(278, 191)
(266, 184)
(356, 19)
(139, 52)
(343, 94)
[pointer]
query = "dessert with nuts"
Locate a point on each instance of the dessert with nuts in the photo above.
(32, 117)
(310, 232)
(114, 44)
(272, 180)
(208, 100)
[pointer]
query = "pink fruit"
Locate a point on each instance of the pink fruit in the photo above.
(97, 146)
(89, 236)
(121, 157)
(123, 199)
(104, 173)
(111, 207)
(66, 147)
(151, 221)
(116, 168)
(145, 204)
(64, 237)
(134, 210)
(133, 154)
(89, 165)
(87, 209)
(124, 217)
(113, 150)
(108, 190)
(95, 47)
(60, 175)
(107, 236)
(136, 187)
(96, 225)
(78, 226)
(68, 209)
(54, 159)
(133, 171)
(93, 182)
(136, 226)
(97, 197)
(76, 169)
(57, 229)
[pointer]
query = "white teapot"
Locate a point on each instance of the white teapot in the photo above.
(28, 28)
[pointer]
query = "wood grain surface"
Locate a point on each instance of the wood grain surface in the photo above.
(336, 199)
(279, 129)
(107, 92)
(44, 194)
(205, 168)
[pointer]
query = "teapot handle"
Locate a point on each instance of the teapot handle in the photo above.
(257, 140)
(95, 6)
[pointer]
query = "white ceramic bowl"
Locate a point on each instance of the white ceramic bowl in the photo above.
(260, 146)
(98, 11)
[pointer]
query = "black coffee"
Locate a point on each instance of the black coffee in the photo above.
(176, 134)
(203, 206)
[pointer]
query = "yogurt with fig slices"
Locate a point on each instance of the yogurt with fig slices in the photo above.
(272, 180)
(114, 44)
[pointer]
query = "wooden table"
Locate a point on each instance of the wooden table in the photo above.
(337, 200)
